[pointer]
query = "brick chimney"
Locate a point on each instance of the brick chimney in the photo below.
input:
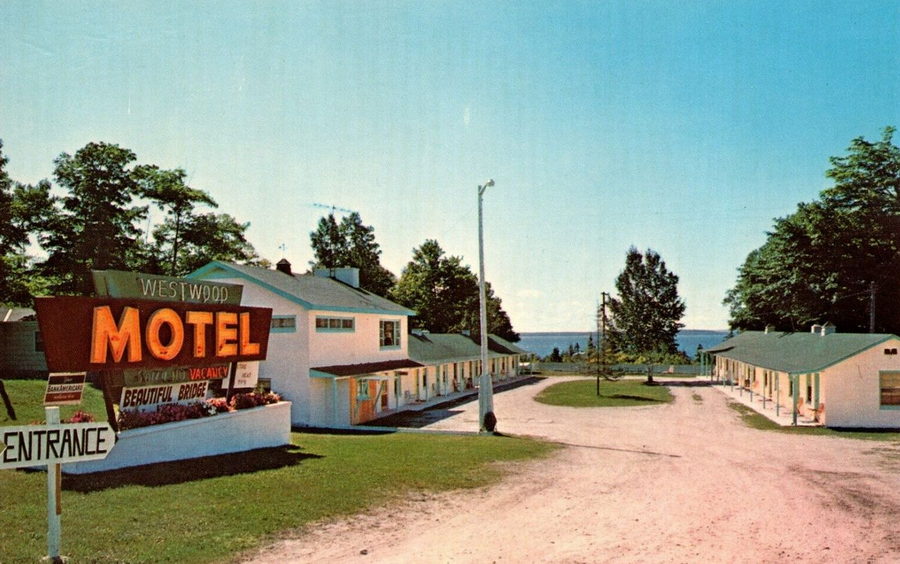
(284, 266)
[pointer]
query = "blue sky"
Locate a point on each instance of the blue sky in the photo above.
(685, 127)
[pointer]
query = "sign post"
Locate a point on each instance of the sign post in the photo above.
(51, 445)
(54, 494)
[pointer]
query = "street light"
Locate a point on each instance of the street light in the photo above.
(487, 421)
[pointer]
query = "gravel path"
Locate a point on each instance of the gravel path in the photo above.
(682, 482)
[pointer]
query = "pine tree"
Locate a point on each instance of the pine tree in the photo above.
(646, 315)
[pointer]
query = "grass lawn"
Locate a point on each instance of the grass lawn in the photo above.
(753, 419)
(621, 393)
(27, 398)
(209, 509)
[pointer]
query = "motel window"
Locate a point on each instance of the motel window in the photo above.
(335, 324)
(389, 334)
(889, 382)
(283, 324)
(362, 389)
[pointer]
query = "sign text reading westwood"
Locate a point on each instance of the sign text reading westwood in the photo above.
(107, 333)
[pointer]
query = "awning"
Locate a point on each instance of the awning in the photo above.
(364, 369)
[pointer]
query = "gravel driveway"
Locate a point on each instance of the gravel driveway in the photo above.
(682, 482)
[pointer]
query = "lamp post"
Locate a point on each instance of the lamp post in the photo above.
(486, 423)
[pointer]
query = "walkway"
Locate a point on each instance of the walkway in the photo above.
(782, 416)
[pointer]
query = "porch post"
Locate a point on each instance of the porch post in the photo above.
(334, 401)
(795, 383)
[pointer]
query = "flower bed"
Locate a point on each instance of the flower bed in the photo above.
(172, 412)
(240, 430)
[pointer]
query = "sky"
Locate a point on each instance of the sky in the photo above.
(685, 127)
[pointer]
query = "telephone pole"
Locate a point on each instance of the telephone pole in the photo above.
(601, 338)
(872, 289)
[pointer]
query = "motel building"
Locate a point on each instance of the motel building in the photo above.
(844, 380)
(344, 356)
(451, 364)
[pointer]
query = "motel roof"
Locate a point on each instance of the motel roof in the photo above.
(364, 368)
(796, 352)
(310, 291)
(434, 348)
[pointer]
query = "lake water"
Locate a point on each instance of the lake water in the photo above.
(542, 344)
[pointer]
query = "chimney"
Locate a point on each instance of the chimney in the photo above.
(284, 266)
(347, 275)
(816, 329)
(828, 328)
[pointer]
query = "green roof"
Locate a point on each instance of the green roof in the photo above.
(796, 352)
(308, 290)
(436, 348)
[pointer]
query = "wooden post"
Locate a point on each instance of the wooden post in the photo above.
(795, 383)
(231, 378)
(9, 406)
(777, 395)
(54, 502)
(108, 400)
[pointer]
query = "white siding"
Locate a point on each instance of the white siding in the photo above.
(851, 392)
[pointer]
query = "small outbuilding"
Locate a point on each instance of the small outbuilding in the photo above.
(848, 380)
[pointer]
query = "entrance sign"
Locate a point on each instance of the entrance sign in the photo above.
(120, 284)
(39, 445)
(107, 333)
(50, 445)
(64, 388)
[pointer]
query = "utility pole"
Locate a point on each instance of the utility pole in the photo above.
(872, 289)
(601, 338)
(487, 419)
(597, 347)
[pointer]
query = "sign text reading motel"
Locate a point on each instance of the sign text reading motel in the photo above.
(91, 334)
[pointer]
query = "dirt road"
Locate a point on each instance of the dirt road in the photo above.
(683, 482)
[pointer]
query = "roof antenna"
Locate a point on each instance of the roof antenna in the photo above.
(283, 248)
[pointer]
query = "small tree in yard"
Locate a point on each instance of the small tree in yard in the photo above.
(646, 314)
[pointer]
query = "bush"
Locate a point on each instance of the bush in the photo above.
(253, 399)
(171, 412)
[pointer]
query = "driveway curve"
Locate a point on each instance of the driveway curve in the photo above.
(680, 482)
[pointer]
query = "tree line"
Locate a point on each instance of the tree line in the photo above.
(93, 215)
(91, 218)
(834, 259)
(441, 289)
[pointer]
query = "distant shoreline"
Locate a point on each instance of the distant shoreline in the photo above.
(592, 332)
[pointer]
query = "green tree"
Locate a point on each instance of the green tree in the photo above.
(13, 238)
(95, 225)
(206, 237)
(646, 315)
(827, 260)
(444, 293)
(351, 243)
(554, 355)
(167, 189)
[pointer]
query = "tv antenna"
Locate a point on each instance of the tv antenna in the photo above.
(332, 208)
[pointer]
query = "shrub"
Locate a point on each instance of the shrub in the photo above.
(171, 412)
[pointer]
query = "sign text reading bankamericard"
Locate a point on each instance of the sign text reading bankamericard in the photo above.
(106, 333)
